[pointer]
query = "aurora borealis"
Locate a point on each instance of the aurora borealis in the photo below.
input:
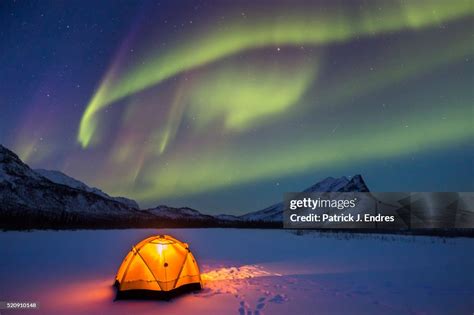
(224, 106)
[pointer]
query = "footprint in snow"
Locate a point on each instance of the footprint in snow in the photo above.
(260, 306)
(242, 308)
(279, 299)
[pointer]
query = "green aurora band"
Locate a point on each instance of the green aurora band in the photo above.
(293, 28)
(253, 92)
(214, 170)
(241, 95)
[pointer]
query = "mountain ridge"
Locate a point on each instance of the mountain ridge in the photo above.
(35, 195)
(26, 196)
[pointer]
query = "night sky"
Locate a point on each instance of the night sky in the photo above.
(224, 106)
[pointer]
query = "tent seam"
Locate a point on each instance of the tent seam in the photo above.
(180, 270)
(134, 251)
(149, 269)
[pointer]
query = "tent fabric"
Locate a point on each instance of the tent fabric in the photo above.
(158, 263)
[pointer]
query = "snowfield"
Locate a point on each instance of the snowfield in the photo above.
(246, 272)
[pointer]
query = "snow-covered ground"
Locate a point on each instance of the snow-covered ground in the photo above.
(246, 272)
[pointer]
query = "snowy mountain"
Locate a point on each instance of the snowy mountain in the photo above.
(274, 213)
(61, 178)
(342, 184)
(30, 199)
(12, 168)
(42, 198)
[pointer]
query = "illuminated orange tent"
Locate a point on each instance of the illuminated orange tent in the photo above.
(159, 263)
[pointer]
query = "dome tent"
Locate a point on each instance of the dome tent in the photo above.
(157, 266)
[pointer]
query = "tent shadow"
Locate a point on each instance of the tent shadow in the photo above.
(156, 295)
